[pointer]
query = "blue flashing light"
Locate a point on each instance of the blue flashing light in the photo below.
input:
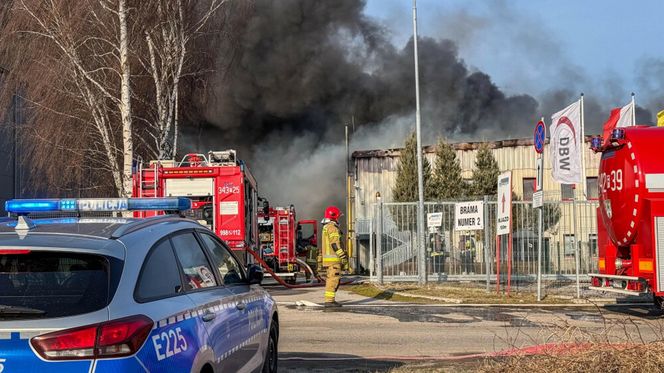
(68, 205)
(596, 143)
(25, 206)
(32, 205)
(618, 134)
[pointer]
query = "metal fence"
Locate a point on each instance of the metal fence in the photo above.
(569, 244)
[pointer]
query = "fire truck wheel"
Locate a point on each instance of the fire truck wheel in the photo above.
(659, 302)
(292, 280)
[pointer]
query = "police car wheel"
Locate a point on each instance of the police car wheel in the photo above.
(272, 355)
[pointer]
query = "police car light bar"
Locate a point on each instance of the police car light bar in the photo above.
(24, 206)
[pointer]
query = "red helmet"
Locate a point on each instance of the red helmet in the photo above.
(332, 213)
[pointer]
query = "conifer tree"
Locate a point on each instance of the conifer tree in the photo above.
(405, 188)
(485, 175)
(447, 182)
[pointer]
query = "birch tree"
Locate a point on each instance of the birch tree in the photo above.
(179, 22)
(82, 68)
(93, 72)
(125, 98)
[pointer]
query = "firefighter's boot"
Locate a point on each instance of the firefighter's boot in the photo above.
(332, 304)
(332, 284)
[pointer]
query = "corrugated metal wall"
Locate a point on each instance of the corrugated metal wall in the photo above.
(577, 223)
(378, 173)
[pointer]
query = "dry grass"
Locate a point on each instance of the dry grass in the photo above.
(439, 367)
(372, 291)
(647, 357)
(617, 344)
(638, 358)
(463, 293)
(622, 344)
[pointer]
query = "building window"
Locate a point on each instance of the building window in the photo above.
(569, 245)
(591, 188)
(592, 244)
(528, 188)
(567, 192)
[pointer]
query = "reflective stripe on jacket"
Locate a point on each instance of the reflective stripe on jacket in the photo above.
(331, 235)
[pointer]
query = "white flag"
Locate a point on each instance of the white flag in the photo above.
(626, 116)
(566, 144)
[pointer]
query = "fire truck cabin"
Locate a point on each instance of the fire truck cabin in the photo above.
(222, 190)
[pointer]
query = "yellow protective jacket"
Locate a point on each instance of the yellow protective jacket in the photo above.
(331, 250)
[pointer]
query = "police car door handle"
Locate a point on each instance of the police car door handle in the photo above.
(209, 316)
(241, 306)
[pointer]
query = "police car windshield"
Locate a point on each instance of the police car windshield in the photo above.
(37, 284)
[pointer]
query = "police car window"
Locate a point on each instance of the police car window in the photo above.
(35, 284)
(160, 276)
(227, 267)
(197, 269)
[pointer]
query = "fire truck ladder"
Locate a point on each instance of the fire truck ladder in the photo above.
(149, 180)
(284, 241)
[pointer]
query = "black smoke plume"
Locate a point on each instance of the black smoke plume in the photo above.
(292, 73)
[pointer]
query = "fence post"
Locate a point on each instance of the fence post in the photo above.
(372, 262)
(576, 251)
(379, 243)
(487, 237)
(421, 246)
(540, 233)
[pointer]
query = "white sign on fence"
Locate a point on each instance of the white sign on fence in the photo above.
(538, 199)
(469, 216)
(504, 213)
(434, 219)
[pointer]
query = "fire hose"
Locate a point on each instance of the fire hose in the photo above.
(269, 270)
(308, 268)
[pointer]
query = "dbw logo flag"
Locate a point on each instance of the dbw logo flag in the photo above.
(566, 144)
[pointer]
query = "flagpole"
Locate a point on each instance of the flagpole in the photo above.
(583, 152)
(633, 111)
(421, 249)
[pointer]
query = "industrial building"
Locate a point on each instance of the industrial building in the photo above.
(375, 173)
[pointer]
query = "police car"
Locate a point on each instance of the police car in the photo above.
(127, 295)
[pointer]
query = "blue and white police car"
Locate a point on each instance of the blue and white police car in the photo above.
(161, 294)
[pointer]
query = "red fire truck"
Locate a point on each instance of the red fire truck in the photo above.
(285, 242)
(224, 197)
(630, 216)
(222, 190)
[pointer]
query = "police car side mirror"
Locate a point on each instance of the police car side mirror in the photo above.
(255, 274)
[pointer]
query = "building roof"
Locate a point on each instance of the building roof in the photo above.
(507, 143)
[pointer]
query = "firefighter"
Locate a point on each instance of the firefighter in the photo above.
(332, 257)
(468, 256)
(438, 253)
(312, 261)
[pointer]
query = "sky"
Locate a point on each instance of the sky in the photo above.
(606, 48)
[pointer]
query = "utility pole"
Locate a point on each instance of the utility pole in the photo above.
(421, 258)
(352, 255)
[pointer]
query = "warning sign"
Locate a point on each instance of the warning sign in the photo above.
(469, 216)
(504, 213)
(434, 219)
(228, 208)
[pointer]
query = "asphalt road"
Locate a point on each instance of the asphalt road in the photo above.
(366, 335)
